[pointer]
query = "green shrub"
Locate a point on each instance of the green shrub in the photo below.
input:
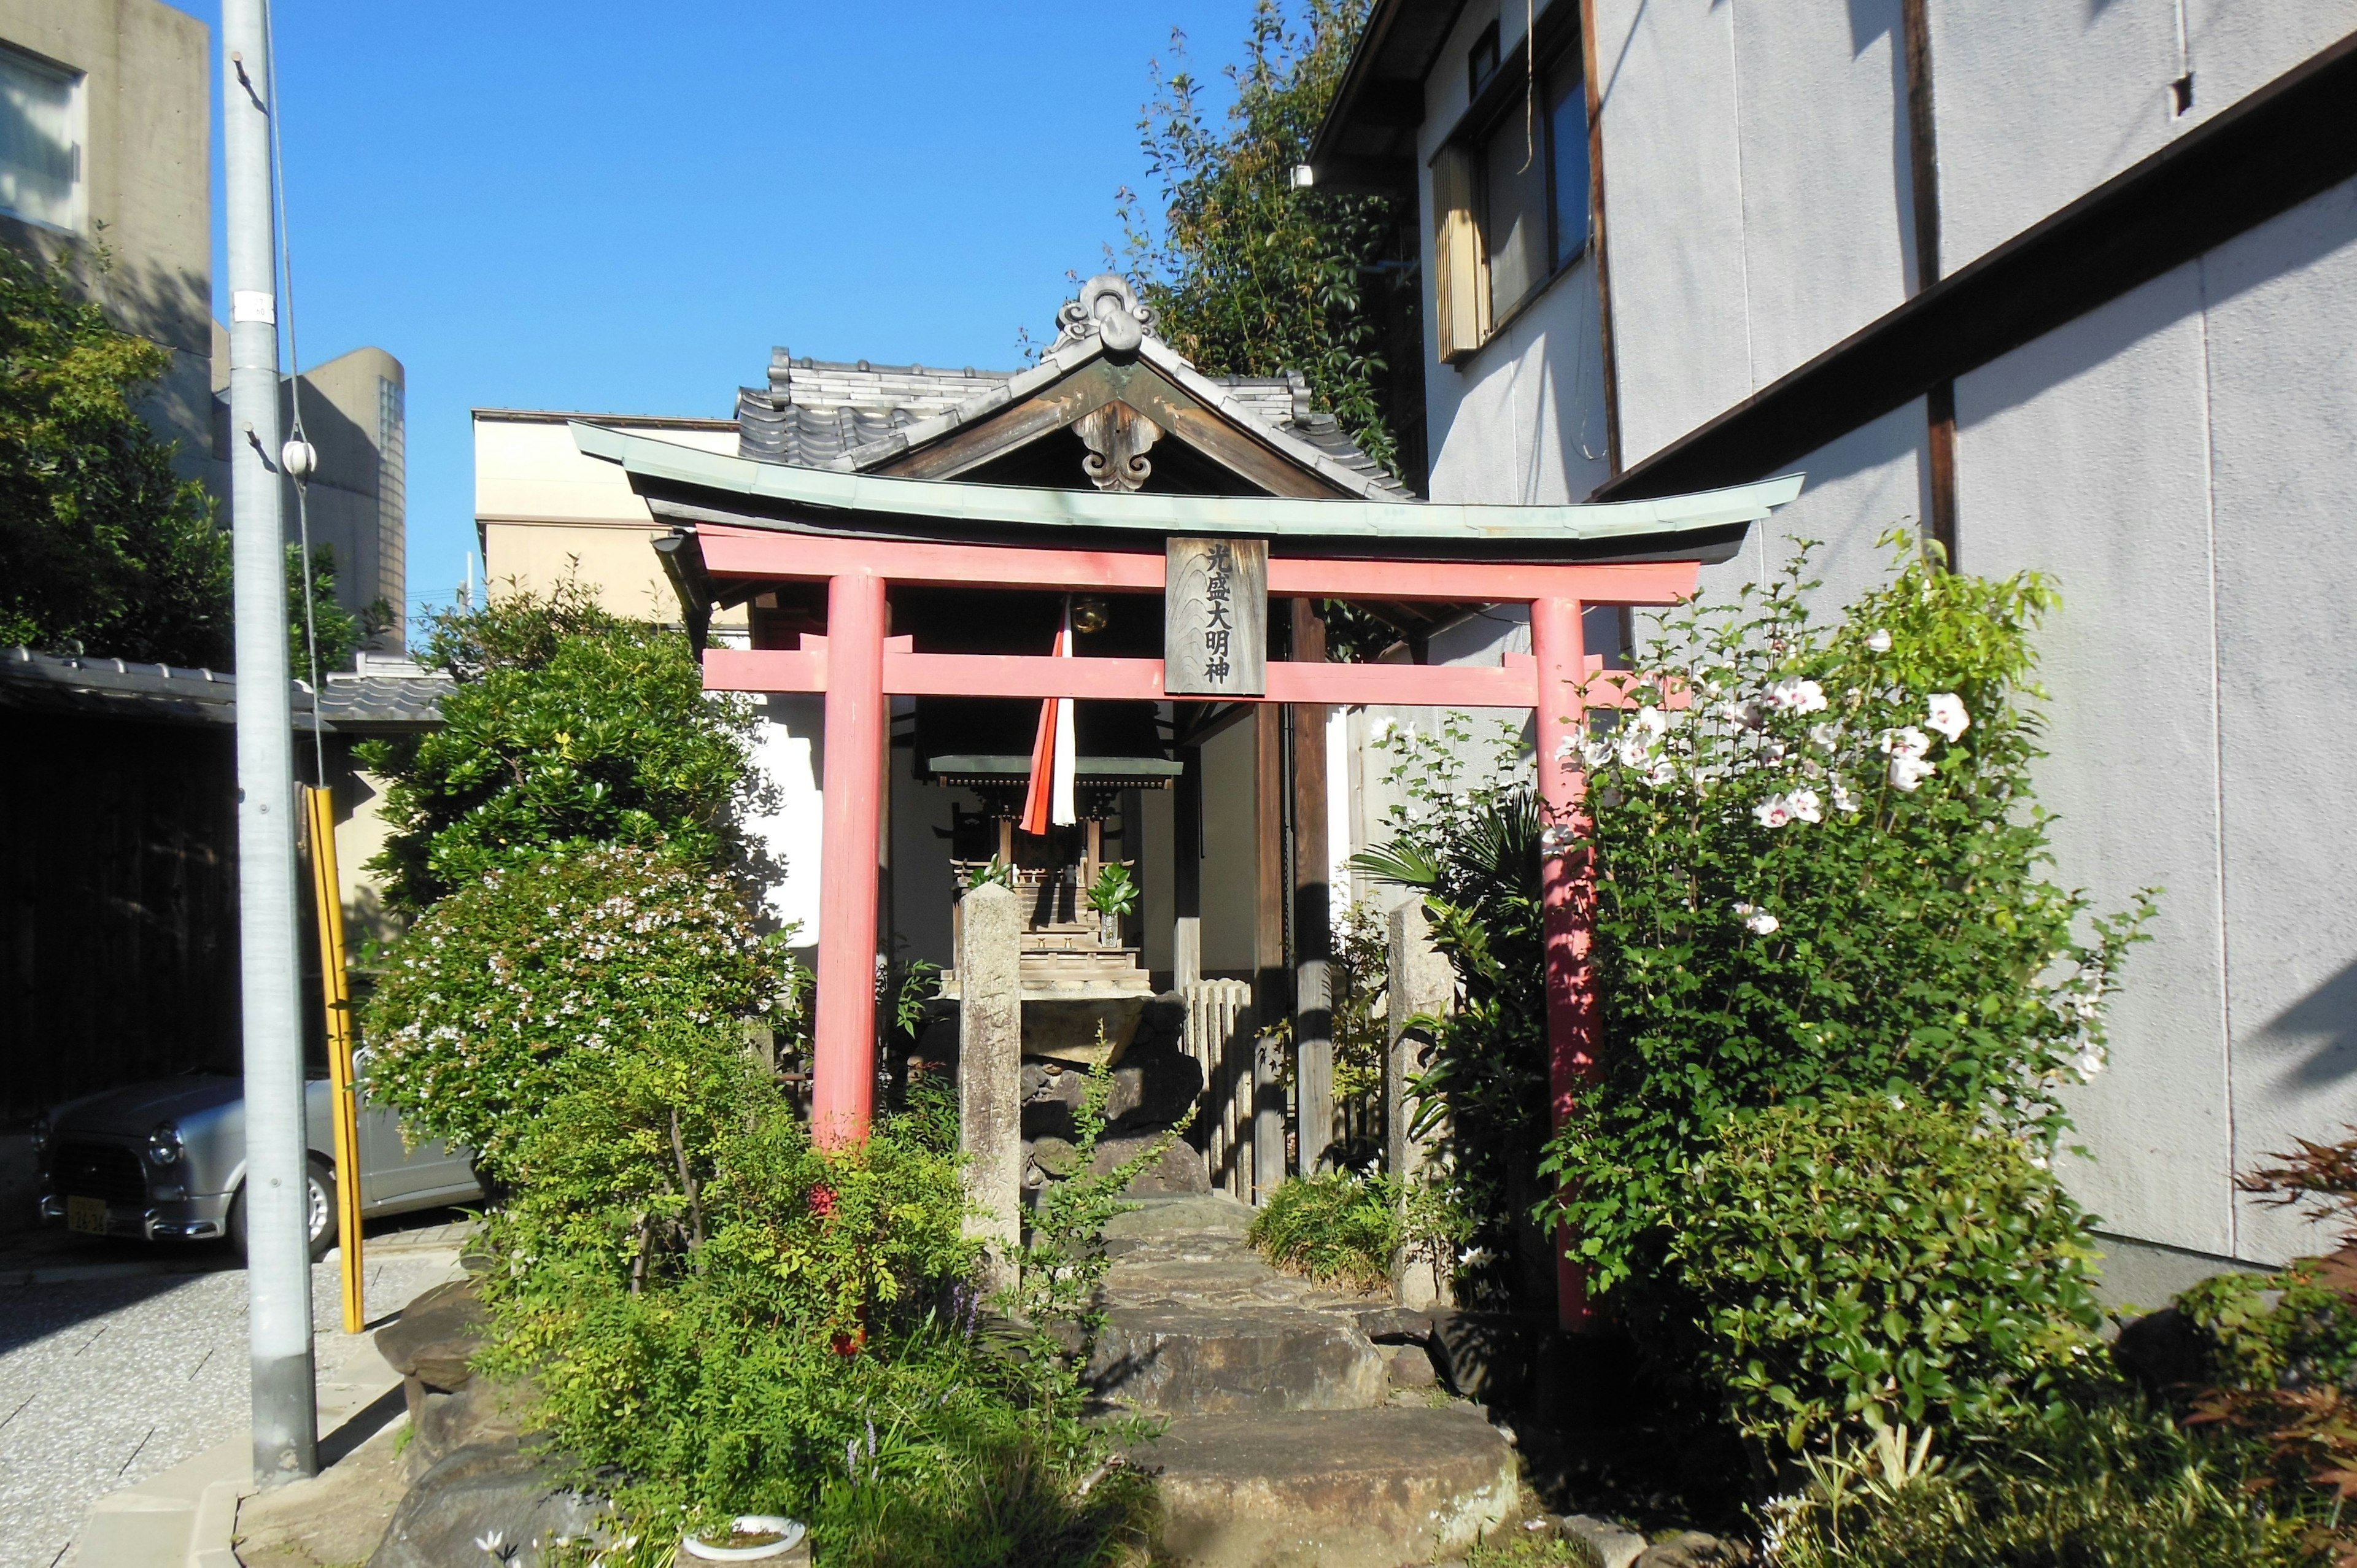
(2110, 1484)
(1826, 876)
(1466, 835)
(512, 991)
(720, 1317)
(568, 726)
(1865, 1260)
(1337, 1227)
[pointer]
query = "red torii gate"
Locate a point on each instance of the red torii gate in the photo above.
(857, 668)
(746, 523)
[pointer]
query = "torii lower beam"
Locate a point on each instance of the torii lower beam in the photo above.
(857, 668)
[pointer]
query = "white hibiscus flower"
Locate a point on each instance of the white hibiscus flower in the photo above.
(1774, 812)
(1878, 640)
(1758, 921)
(1906, 742)
(1908, 772)
(1947, 713)
(1843, 799)
(1804, 804)
(1795, 695)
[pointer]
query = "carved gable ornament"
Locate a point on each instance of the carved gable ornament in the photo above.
(1117, 437)
(1108, 311)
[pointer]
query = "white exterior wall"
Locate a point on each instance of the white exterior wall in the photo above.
(2058, 444)
(1860, 487)
(1523, 421)
(2038, 104)
(1828, 194)
(1673, 217)
(2179, 461)
(2282, 356)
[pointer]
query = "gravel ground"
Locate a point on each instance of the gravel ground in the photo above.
(105, 1383)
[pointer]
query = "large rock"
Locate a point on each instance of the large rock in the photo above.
(1154, 1084)
(1613, 1546)
(1488, 1355)
(1179, 1168)
(479, 1493)
(436, 1334)
(486, 1413)
(1366, 1488)
(1189, 1358)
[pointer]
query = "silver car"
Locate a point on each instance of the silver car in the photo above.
(166, 1161)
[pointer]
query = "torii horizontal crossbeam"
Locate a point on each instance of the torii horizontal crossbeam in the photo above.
(757, 554)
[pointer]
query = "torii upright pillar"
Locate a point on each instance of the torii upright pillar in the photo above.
(843, 1078)
(1568, 885)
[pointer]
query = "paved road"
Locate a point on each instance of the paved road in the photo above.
(108, 1381)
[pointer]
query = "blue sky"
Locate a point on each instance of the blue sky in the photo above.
(620, 206)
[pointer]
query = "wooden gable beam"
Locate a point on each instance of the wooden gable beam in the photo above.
(1093, 386)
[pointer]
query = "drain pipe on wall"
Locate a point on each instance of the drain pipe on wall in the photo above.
(277, 1185)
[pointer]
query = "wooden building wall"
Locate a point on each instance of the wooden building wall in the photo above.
(118, 904)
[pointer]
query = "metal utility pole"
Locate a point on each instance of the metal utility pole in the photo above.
(277, 1188)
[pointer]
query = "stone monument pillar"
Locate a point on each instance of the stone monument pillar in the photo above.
(990, 1066)
(1421, 982)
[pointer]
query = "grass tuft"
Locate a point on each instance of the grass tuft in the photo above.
(1337, 1227)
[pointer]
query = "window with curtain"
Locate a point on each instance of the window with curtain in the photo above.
(41, 174)
(1511, 207)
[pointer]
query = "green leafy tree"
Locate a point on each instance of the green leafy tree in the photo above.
(1247, 275)
(568, 726)
(101, 544)
(340, 632)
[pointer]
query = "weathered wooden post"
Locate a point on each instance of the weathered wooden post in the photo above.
(1421, 983)
(990, 1066)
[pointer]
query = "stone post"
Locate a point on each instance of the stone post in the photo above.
(990, 1065)
(1421, 982)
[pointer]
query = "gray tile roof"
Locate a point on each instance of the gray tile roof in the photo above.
(79, 683)
(820, 413)
(369, 701)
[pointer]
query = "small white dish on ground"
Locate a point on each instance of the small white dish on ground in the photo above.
(784, 1534)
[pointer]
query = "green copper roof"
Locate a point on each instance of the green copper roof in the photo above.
(1268, 517)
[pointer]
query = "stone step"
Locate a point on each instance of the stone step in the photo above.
(1365, 1488)
(1183, 1359)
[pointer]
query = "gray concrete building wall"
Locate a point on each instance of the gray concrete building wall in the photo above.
(140, 72)
(2176, 460)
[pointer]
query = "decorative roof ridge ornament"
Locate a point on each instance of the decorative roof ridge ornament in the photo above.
(1107, 310)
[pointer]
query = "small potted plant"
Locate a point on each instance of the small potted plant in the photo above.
(1113, 895)
(749, 1538)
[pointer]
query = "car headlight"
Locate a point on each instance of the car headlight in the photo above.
(163, 1145)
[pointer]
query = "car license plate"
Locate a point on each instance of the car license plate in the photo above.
(86, 1214)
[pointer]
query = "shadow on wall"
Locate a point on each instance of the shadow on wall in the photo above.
(2323, 1025)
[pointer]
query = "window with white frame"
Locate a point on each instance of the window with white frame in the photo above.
(42, 178)
(1511, 207)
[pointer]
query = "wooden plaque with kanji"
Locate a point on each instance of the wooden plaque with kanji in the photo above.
(1215, 617)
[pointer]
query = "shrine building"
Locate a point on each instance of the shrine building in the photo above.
(903, 565)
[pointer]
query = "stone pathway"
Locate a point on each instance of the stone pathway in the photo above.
(1293, 1439)
(118, 1368)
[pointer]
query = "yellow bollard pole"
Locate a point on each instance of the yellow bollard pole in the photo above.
(335, 987)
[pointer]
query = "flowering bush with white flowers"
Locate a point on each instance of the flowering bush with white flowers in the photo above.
(538, 977)
(1819, 871)
(1821, 885)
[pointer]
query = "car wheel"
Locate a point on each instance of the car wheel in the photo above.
(320, 1200)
